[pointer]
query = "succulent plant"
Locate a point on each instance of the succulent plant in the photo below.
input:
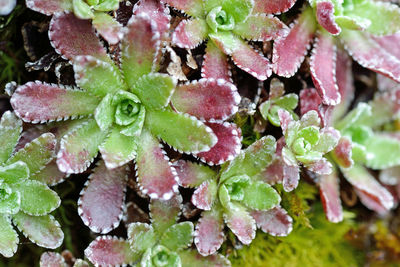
(65, 259)
(6, 6)
(24, 201)
(161, 243)
(228, 24)
(236, 195)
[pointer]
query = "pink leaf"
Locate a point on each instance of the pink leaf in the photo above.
(204, 196)
(110, 251)
(285, 118)
(207, 99)
(228, 145)
(193, 8)
(275, 221)
(342, 153)
(272, 6)
(321, 167)
(326, 17)
(49, 7)
(371, 202)
(274, 172)
(345, 82)
(165, 213)
(50, 175)
(209, 235)
(390, 43)
(192, 174)
(309, 100)
(241, 223)
(215, 64)
(155, 176)
(324, 54)
(370, 54)
(52, 259)
(107, 27)
(190, 33)
(289, 51)
(330, 197)
(40, 102)
(101, 201)
(157, 12)
(291, 177)
(73, 37)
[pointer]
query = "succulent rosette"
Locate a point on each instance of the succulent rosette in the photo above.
(367, 29)
(25, 201)
(237, 195)
(228, 24)
(164, 242)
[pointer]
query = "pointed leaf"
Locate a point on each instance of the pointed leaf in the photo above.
(241, 223)
(40, 102)
(79, 147)
(100, 204)
(44, 231)
(36, 198)
(52, 259)
(193, 259)
(325, 12)
(207, 99)
(289, 51)
(215, 63)
(260, 196)
(181, 131)
(141, 237)
(178, 236)
(324, 54)
(96, 76)
(49, 7)
(9, 238)
(190, 33)
(107, 27)
(139, 48)
(244, 56)
(118, 149)
(209, 234)
(155, 89)
(369, 54)
(330, 197)
(155, 176)
(10, 130)
(110, 251)
(272, 6)
(193, 8)
(227, 147)
(253, 160)
(205, 195)
(165, 213)
(383, 152)
(275, 222)
(36, 154)
(260, 27)
(363, 181)
(73, 37)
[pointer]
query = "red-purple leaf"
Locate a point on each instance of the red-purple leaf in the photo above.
(50, 175)
(192, 174)
(390, 43)
(215, 64)
(370, 54)
(326, 18)
(193, 8)
(324, 54)
(209, 235)
(275, 221)
(285, 118)
(371, 201)
(289, 51)
(107, 27)
(52, 259)
(165, 213)
(207, 99)
(342, 153)
(154, 174)
(190, 33)
(101, 201)
(40, 102)
(73, 37)
(272, 6)
(321, 167)
(49, 7)
(291, 177)
(330, 197)
(309, 100)
(110, 251)
(228, 145)
(241, 223)
(204, 196)
(156, 11)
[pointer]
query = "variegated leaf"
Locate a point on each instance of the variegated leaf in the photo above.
(241, 223)
(50, 175)
(215, 63)
(178, 236)
(291, 177)
(190, 33)
(52, 259)
(192, 174)
(207, 99)
(107, 27)
(275, 221)
(343, 153)
(165, 213)
(272, 6)
(157, 11)
(49, 7)
(209, 234)
(330, 197)
(205, 195)
(325, 12)
(38, 102)
(10, 130)
(141, 237)
(100, 204)
(371, 202)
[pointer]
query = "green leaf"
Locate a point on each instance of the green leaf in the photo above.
(253, 160)
(160, 256)
(382, 152)
(309, 157)
(354, 117)
(14, 173)
(10, 201)
(352, 22)
(36, 197)
(260, 196)
(288, 102)
(104, 113)
(311, 118)
(182, 132)
(10, 129)
(155, 89)
(9, 238)
(223, 195)
(178, 236)
(107, 5)
(141, 237)
(191, 258)
(165, 213)
(45, 231)
(310, 134)
(82, 10)
(235, 186)
(36, 154)
(239, 9)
